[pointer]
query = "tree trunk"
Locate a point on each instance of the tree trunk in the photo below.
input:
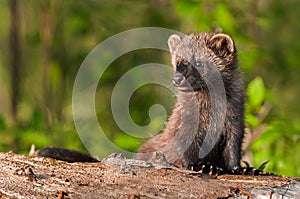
(46, 36)
(118, 177)
(15, 57)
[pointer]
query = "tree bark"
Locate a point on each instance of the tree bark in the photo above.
(46, 36)
(118, 177)
(15, 52)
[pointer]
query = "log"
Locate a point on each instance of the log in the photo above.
(117, 177)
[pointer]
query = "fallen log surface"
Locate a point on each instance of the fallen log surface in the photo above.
(117, 177)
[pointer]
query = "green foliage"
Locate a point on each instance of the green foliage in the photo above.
(263, 165)
(224, 17)
(127, 142)
(2, 123)
(247, 164)
(256, 96)
(279, 143)
(278, 135)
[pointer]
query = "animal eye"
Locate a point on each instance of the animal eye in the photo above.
(199, 64)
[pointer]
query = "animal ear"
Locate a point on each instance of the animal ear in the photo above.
(222, 45)
(173, 42)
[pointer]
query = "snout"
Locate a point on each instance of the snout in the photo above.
(178, 79)
(181, 83)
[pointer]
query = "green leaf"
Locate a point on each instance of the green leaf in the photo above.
(263, 165)
(251, 120)
(256, 94)
(246, 163)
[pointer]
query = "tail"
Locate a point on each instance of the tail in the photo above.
(67, 155)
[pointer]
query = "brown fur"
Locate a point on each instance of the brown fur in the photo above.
(179, 145)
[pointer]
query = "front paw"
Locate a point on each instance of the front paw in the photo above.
(249, 171)
(206, 168)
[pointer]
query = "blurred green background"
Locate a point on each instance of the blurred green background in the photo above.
(43, 44)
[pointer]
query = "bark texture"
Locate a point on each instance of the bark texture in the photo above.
(117, 177)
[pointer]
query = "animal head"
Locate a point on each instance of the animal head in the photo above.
(195, 56)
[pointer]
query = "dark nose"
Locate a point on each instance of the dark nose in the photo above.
(177, 79)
